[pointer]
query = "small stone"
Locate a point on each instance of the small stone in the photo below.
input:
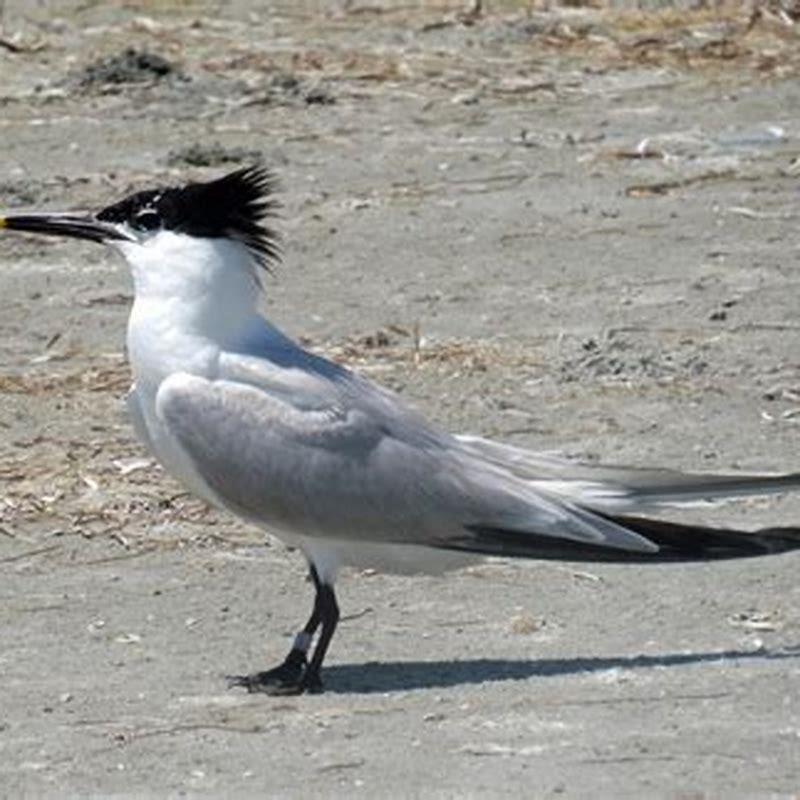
(526, 624)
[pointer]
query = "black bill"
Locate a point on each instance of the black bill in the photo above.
(75, 226)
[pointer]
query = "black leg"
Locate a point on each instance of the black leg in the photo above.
(329, 618)
(295, 675)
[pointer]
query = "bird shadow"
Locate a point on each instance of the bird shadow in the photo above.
(378, 677)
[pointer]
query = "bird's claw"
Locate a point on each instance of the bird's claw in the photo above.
(290, 678)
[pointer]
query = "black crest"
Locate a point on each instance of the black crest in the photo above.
(234, 206)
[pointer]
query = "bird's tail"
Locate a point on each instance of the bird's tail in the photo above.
(608, 503)
(676, 542)
(622, 489)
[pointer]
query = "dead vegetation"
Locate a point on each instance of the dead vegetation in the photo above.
(731, 39)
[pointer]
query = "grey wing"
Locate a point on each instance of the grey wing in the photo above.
(623, 488)
(317, 462)
(314, 383)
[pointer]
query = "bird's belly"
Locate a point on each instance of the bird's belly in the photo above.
(329, 555)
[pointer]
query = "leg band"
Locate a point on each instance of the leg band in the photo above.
(302, 642)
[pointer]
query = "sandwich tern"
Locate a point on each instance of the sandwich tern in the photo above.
(326, 460)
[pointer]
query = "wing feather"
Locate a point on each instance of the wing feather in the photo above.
(306, 455)
(623, 488)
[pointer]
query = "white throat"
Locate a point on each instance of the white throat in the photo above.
(194, 296)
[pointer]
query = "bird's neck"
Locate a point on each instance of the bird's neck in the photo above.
(192, 301)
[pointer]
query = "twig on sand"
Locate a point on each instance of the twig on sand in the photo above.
(30, 553)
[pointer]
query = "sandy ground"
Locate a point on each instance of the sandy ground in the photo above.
(571, 230)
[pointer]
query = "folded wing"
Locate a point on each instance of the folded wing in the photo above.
(327, 456)
(623, 488)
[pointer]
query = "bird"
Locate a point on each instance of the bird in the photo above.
(331, 463)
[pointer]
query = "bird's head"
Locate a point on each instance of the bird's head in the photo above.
(178, 237)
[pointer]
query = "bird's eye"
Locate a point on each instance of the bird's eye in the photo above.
(147, 220)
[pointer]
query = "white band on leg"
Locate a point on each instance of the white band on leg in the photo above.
(302, 642)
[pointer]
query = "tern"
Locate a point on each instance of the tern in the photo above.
(331, 463)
